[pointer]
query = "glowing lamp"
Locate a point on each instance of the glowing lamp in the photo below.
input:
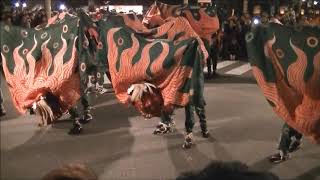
(62, 7)
(256, 21)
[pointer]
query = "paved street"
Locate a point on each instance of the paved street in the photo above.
(118, 143)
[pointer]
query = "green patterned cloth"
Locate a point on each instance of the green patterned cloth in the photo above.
(204, 21)
(286, 64)
(135, 56)
(53, 59)
(41, 60)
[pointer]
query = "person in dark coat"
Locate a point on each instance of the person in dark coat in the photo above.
(213, 56)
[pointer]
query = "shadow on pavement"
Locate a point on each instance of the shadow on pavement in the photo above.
(313, 174)
(225, 79)
(105, 140)
(105, 117)
(233, 170)
(262, 165)
(246, 131)
(185, 159)
(220, 152)
(265, 165)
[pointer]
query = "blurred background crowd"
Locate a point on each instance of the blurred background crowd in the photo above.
(236, 17)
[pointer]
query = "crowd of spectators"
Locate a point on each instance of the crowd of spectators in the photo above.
(28, 18)
(25, 18)
(233, 30)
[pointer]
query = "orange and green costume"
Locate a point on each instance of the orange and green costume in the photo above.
(286, 64)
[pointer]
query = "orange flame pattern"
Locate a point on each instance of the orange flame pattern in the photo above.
(171, 27)
(297, 102)
(206, 26)
(169, 81)
(158, 13)
(27, 87)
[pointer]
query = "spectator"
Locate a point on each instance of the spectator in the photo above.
(25, 21)
(213, 56)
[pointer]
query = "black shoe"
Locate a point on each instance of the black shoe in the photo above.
(208, 76)
(204, 129)
(187, 141)
(296, 145)
(2, 112)
(277, 158)
(86, 118)
(76, 129)
(31, 111)
(161, 128)
(205, 134)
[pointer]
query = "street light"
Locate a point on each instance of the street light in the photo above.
(256, 21)
(315, 2)
(17, 4)
(24, 5)
(62, 7)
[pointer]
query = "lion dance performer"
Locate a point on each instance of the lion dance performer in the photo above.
(286, 64)
(44, 67)
(205, 23)
(140, 66)
(41, 68)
